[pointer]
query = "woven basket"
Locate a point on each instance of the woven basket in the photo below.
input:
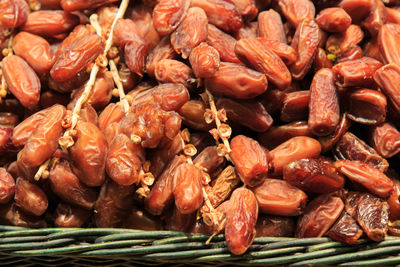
(125, 247)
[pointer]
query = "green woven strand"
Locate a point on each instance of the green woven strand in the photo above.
(36, 245)
(186, 254)
(33, 232)
(263, 240)
(351, 256)
(374, 262)
(4, 228)
(297, 242)
(89, 232)
(140, 234)
(188, 238)
(21, 239)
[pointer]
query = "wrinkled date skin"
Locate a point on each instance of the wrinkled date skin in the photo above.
(43, 141)
(124, 160)
(7, 186)
(385, 139)
(278, 197)
(76, 57)
(112, 113)
(314, 175)
(209, 160)
(77, 33)
(174, 71)
(67, 186)
(369, 177)
(89, 154)
(387, 78)
(295, 106)
(249, 113)
(353, 148)
(223, 43)
(246, 8)
(13, 215)
(22, 80)
(30, 197)
(135, 55)
(74, 5)
(345, 230)
(388, 40)
(333, 19)
(168, 14)
(324, 104)
(69, 216)
(237, 81)
(204, 60)
(250, 160)
(298, 147)
(320, 214)
(191, 32)
(187, 188)
(297, 11)
(13, 13)
(241, 221)
(284, 51)
(270, 26)
(394, 201)
(192, 113)
(254, 53)
(35, 50)
(367, 107)
(163, 50)
(339, 43)
(50, 22)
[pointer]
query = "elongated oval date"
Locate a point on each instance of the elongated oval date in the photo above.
(76, 57)
(204, 60)
(77, 33)
(385, 138)
(241, 221)
(372, 215)
(74, 5)
(274, 226)
(35, 50)
(376, 19)
(246, 8)
(394, 201)
(314, 175)
(30, 197)
(192, 113)
(8, 119)
(23, 130)
(7, 186)
(388, 39)
(278, 197)
(305, 42)
(163, 50)
(110, 114)
(135, 54)
(295, 106)
(254, 53)
(13, 13)
(295, 11)
(358, 72)
(69, 216)
(388, 78)
(372, 179)
(237, 81)
(367, 107)
(209, 160)
(113, 204)
(323, 114)
(250, 160)
(270, 26)
(276, 135)
(10, 214)
(223, 43)
(174, 71)
(320, 214)
(66, 185)
(339, 43)
(126, 30)
(250, 113)
(327, 142)
(358, 9)
(187, 188)
(21, 80)
(221, 13)
(43, 141)
(142, 220)
(321, 60)
(353, 148)
(333, 19)
(6, 145)
(50, 22)
(177, 221)
(296, 148)
(353, 52)
(124, 160)
(168, 14)
(88, 154)
(284, 51)
(161, 194)
(191, 32)
(345, 230)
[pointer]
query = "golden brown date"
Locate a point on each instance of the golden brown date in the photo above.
(278, 197)
(394, 201)
(320, 214)
(357, 9)
(209, 160)
(321, 60)
(163, 50)
(388, 38)
(339, 43)
(88, 154)
(367, 106)
(174, 71)
(295, 106)
(30, 197)
(270, 26)
(296, 11)
(69, 216)
(13, 13)
(21, 80)
(168, 14)
(204, 60)
(223, 43)
(345, 230)
(7, 186)
(250, 160)
(385, 138)
(241, 221)
(387, 79)
(192, 113)
(77, 33)
(74, 5)
(333, 19)
(110, 114)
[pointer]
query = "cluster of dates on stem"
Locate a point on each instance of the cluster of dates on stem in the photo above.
(252, 118)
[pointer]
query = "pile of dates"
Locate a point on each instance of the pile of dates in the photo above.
(244, 117)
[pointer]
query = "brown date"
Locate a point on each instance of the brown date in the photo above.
(163, 50)
(353, 148)
(367, 107)
(77, 33)
(295, 106)
(250, 160)
(66, 185)
(126, 30)
(88, 154)
(320, 214)
(140, 219)
(321, 60)
(277, 226)
(13, 13)
(168, 14)
(372, 179)
(30, 197)
(110, 114)
(241, 221)
(333, 19)
(135, 52)
(204, 60)
(388, 38)
(223, 43)
(246, 8)
(296, 148)
(192, 113)
(270, 26)
(76, 57)
(7, 186)
(8, 119)
(6, 145)
(21, 80)
(208, 160)
(174, 71)
(74, 5)
(339, 43)
(284, 51)
(177, 221)
(278, 197)
(376, 19)
(385, 138)
(296, 11)
(358, 9)
(69, 216)
(394, 201)
(10, 214)
(345, 230)
(387, 79)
